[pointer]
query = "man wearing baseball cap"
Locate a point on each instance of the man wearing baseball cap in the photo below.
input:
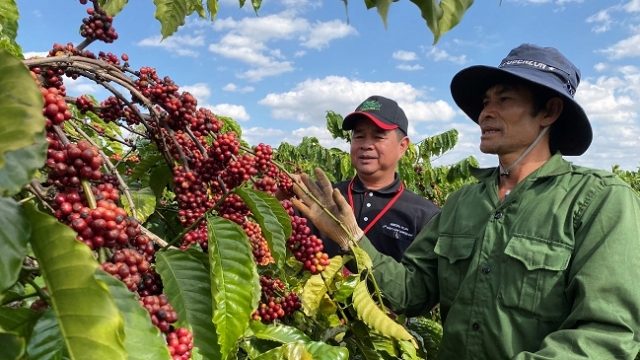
(540, 258)
(389, 213)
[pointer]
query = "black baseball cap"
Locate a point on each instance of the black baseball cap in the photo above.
(571, 133)
(385, 113)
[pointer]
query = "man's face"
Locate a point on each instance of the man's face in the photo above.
(375, 151)
(506, 122)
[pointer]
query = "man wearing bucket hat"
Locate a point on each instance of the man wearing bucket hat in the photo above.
(540, 258)
(389, 213)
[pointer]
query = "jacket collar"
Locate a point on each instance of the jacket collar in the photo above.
(358, 186)
(555, 166)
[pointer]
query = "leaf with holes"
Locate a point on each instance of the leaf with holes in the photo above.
(272, 218)
(187, 284)
(371, 314)
(235, 285)
(78, 298)
(142, 339)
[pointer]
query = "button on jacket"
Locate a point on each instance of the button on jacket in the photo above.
(551, 272)
(399, 225)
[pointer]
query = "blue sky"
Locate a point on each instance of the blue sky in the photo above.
(278, 74)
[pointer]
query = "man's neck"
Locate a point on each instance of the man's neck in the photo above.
(533, 161)
(377, 183)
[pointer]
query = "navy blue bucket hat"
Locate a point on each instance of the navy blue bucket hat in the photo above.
(571, 133)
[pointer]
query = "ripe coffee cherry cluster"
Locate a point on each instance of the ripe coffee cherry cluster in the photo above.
(259, 245)
(151, 284)
(55, 108)
(162, 313)
(274, 302)
(305, 248)
(263, 154)
(285, 184)
(74, 162)
(127, 265)
(98, 26)
(180, 343)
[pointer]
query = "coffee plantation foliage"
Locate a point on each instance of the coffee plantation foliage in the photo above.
(141, 226)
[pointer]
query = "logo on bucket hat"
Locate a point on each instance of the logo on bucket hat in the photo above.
(571, 133)
(384, 112)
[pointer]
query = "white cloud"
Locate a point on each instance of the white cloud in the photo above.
(308, 101)
(324, 32)
(629, 47)
(246, 40)
(405, 55)
(176, 43)
(81, 86)
(612, 99)
(632, 6)
(251, 52)
(237, 112)
(30, 54)
(299, 53)
(602, 20)
(439, 55)
(408, 67)
(200, 91)
(600, 67)
(234, 88)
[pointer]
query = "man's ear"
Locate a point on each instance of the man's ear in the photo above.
(404, 144)
(552, 111)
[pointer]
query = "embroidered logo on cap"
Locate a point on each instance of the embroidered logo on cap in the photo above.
(369, 105)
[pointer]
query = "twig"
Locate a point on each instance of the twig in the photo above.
(171, 134)
(27, 199)
(84, 44)
(61, 135)
(20, 298)
(44, 296)
(164, 219)
(222, 187)
(131, 130)
(155, 238)
(102, 133)
(36, 189)
(195, 140)
(114, 171)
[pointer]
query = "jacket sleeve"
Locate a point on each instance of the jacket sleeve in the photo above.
(603, 289)
(410, 287)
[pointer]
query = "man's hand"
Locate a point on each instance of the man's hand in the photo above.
(335, 203)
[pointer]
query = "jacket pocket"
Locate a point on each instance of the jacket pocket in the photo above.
(532, 280)
(454, 257)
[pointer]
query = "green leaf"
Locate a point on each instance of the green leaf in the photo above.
(187, 284)
(212, 7)
(144, 201)
(324, 351)
(383, 10)
(47, 342)
(145, 164)
(9, 28)
(334, 125)
(235, 284)
(346, 287)
(20, 321)
(110, 128)
(362, 340)
(160, 178)
(142, 339)
(408, 350)
(256, 5)
(12, 345)
(371, 314)
(278, 333)
(272, 218)
(21, 102)
(67, 266)
(171, 15)
(113, 7)
(15, 230)
(290, 351)
(228, 124)
(22, 164)
(442, 16)
(362, 259)
(312, 293)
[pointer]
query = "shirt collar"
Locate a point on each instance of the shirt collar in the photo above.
(555, 166)
(358, 186)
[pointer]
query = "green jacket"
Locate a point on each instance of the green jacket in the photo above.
(553, 272)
